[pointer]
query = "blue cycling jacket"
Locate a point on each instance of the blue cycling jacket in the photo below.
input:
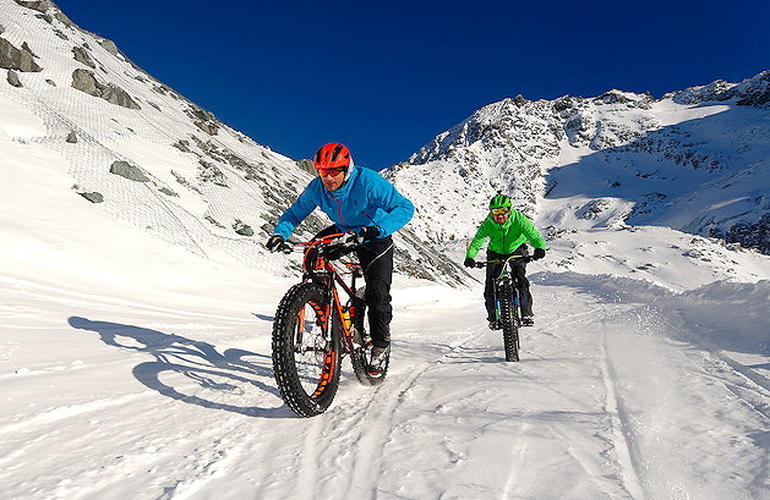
(366, 199)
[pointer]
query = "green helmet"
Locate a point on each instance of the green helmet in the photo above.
(499, 201)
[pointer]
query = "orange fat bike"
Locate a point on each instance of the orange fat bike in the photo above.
(318, 322)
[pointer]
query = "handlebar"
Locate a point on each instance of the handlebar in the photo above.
(520, 259)
(332, 246)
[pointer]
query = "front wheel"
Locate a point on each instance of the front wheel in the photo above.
(508, 321)
(306, 351)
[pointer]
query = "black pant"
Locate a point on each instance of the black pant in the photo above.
(376, 258)
(518, 272)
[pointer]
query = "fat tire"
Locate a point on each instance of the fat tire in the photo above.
(284, 366)
(508, 321)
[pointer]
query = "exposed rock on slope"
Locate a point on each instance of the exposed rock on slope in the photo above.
(189, 168)
(695, 160)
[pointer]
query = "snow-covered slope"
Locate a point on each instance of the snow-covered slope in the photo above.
(695, 160)
(133, 366)
(141, 152)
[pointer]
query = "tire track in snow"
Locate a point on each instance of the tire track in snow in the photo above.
(621, 434)
(373, 442)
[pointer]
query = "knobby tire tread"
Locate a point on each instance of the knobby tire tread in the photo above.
(508, 320)
(284, 367)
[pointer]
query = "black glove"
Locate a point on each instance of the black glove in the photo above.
(367, 233)
(468, 262)
(538, 254)
(275, 243)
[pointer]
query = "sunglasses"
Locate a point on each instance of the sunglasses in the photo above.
(500, 211)
(325, 172)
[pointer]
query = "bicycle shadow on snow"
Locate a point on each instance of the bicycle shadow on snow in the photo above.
(225, 373)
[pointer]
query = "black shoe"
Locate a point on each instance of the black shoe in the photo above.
(378, 360)
(528, 321)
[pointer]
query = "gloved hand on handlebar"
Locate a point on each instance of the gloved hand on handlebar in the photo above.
(538, 254)
(367, 233)
(274, 243)
(468, 262)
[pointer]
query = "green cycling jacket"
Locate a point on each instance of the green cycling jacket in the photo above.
(505, 238)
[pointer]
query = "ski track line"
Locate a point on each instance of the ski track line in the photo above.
(564, 434)
(620, 431)
(309, 460)
(756, 382)
(373, 442)
(518, 454)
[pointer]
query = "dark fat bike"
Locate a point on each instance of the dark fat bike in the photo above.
(318, 322)
(507, 302)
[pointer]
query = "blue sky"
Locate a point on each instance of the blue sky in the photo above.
(385, 78)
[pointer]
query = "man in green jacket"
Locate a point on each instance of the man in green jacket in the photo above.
(508, 231)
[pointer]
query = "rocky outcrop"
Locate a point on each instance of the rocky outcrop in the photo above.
(85, 81)
(130, 172)
(19, 59)
(243, 229)
(204, 120)
(109, 46)
(93, 197)
(13, 79)
(72, 138)
(40, 6)
(210, 173)
(754, 91)
(82, 56)
(749, 235)
(2, 29)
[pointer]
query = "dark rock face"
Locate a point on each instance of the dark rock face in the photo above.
(40, 6)
(82, 56)
(72, 138)
(2, 29)
(25, 46)
(168, 192)
(109, 46)
(210, 173)
(19, 59)
(124, 169)
(94, 197)
(752, 235)
(66, 21)
(13, 79)
(51, 83)
(307, 166)
(204, 120)
(85, 81)
(243, 229)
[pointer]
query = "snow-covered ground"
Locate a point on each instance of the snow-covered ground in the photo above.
(132, 368)
(135, 332)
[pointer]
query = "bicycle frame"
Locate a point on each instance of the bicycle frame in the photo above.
(322, 271)
(505, 273)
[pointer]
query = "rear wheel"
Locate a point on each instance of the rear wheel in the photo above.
(306, 353)
(508, 321)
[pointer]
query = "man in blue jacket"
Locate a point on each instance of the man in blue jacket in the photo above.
(360, 201)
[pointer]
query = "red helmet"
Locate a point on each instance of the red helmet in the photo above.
(332, 155)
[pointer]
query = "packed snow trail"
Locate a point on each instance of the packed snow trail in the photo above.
(174, 398)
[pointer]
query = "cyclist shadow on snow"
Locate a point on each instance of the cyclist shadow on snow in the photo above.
(225, 373)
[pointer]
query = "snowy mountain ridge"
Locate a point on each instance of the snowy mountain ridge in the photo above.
(695, 160)
(143, 153)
